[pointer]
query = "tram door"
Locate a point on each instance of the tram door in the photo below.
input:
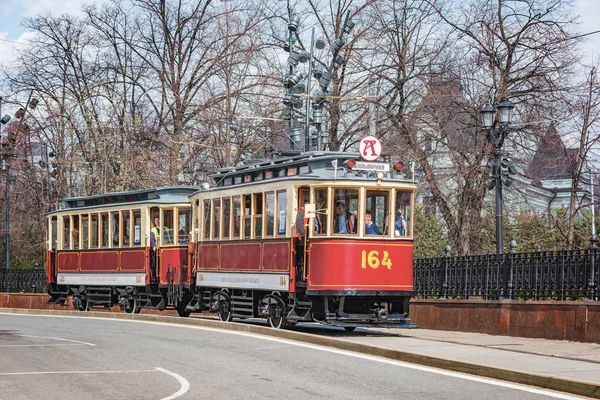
(302, 235)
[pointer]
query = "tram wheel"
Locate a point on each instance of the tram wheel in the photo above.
(81, 305)
(276, 322)
(225, 316)
(133, 307)
(349, 328)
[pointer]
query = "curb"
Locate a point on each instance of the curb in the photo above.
(579, 388)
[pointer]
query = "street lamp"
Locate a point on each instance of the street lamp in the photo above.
(501, 169)
(5, 119)
(296, 88)
(7, 154)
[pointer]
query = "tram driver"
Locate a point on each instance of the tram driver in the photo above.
(154, 246)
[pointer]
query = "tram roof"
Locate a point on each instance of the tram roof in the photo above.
(314, 165)
(159, 195)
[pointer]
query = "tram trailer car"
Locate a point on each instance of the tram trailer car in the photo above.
(98, 250)
(269, 243)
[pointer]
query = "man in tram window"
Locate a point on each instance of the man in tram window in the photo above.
(400, 224)
(344, 221)
(370, 227)
(154, 246)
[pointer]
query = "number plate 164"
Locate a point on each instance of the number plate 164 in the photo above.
(373, 259)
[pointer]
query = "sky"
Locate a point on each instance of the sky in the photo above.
(13, 12)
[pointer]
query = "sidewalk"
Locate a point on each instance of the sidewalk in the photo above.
(574, 367)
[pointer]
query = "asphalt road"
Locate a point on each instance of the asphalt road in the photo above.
(64, 357)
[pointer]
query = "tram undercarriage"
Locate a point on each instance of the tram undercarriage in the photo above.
(130, 299)
(284, 308)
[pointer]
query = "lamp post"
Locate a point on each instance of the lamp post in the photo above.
(7, 154)
(298, 84)
(496, 132)
(5, 119)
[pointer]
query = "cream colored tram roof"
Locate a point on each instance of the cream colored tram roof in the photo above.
(164, 195)
(321, 169)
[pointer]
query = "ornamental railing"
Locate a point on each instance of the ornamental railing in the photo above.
(549, 275)
(22, 281)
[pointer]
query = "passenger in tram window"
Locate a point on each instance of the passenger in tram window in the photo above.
(318, 225)
(370, 227)
(400, 224)
(116, 238)
(183, 237)
(344, 221)
(126, 240)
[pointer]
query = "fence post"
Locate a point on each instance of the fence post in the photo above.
(562, 273)
(466, 291)
(538, 250)
(592, 281)
(447, 250)
(511, 283)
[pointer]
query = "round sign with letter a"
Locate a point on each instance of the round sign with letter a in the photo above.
(369, 148)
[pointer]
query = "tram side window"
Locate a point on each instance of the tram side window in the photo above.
(95, 230)
(207, 219)
(104, 229)
(183, 225)
(403, 222)
(85, 231)
(196, 217)
(247, 200)
(126, 232)
(237, 216)
(258, 214)
(53, 233)
(226, 217)
(345, 211)
(281, 207)
(137, 227)
(378, 203)
(75, 232)
(270, 212)
(216, 219)
(168, 226)
(66, 233)
(321, 211)
(115, 229)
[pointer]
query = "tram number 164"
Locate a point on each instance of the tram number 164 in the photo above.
(373, 260)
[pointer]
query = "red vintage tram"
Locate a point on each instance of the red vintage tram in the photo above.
(98, 250)
(286, 240)
(270, 243)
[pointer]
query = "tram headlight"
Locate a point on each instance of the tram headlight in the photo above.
(380, 175)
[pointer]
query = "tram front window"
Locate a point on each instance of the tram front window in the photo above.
(345, 211)
(403, 211)
(378, 207)
(320, 211)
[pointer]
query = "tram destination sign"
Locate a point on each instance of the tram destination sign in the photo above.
(371, 166)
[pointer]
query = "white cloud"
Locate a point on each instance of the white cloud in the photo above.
(31, 8)
(589, 17)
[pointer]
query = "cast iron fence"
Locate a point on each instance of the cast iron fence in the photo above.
(22, 281)
(540, 275)
(549, 275)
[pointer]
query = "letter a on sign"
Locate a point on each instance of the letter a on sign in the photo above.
(369, 148)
